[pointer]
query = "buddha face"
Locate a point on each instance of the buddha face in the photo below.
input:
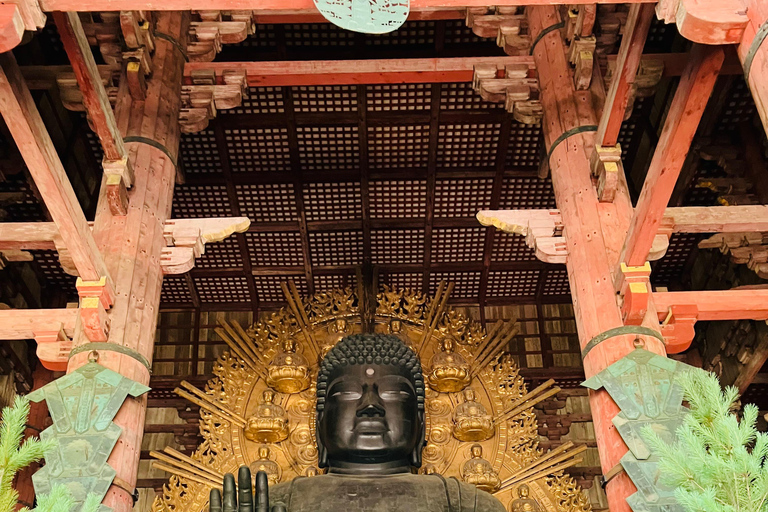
(371, 416)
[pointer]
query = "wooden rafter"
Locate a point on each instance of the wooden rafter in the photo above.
(680, 126)
(630, 53)
(25, 124)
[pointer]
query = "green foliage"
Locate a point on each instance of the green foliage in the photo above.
(15, 456)
(718, 462)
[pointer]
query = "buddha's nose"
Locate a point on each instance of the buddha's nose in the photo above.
(371, 411)
(370, 406)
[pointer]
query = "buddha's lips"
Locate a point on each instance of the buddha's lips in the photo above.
(370, 426)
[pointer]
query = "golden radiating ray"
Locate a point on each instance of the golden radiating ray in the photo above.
(201, 399)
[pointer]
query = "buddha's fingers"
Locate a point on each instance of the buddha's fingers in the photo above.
(244, 493)
(229, 494)
(262, 492)
(215, 500)
(279, 508)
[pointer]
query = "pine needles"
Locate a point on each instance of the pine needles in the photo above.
(14, 456)
(718, 462)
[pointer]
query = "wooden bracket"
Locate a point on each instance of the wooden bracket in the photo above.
(581, 55)
(506, 24)
(606, 165)
(53, 347)
(11, 27)
(518, 89)
(186, 239)
(706, 21)
(634, 291)
(95, 298)
(677, 327)
(208, 94)
(542, 230)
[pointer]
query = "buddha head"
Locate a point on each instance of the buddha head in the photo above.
(370, 406)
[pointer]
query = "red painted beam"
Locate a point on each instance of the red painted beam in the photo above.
(306, 6)
(11, 27)
(630, 52)
(277, 17)
(332, 72)
(737, 304)
(679, 128)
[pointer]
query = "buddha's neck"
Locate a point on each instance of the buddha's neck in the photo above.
(362, 469)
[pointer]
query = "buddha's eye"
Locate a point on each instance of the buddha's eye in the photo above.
(396, 392)
(346, 391)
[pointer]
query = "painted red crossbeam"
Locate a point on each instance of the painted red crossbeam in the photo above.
(277, 5)
(680, 126)
(333, 72)
(736, 304)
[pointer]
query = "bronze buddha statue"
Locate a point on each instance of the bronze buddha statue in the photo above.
(370, 434)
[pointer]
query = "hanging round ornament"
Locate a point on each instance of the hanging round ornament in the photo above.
(366, 16)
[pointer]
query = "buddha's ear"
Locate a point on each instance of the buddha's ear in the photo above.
(322, 453)
(416, 455)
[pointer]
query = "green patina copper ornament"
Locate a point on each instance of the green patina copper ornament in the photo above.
(367, 16)
(646, 388)
(82, 405)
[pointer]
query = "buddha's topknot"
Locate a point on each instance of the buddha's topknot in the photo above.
(370, 349)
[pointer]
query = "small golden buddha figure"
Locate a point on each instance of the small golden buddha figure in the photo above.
(479, 471)
(471, 421)
(310, 471)
(395, 326)
(266, 464)
(524, 503)
(269, 424)
(288, 372)
(450, 372)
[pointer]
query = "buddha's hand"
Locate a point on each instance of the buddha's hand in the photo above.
(243, 499)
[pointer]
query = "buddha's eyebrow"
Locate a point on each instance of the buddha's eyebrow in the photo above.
(398, 379)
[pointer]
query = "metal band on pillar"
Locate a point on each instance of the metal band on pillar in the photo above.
(620, 331)
(543, 33)
(113, 347)
(150, 142)
(760, 36)
(174, 42)
(569, 133)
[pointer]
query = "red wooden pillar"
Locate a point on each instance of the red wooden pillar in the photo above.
(132, 244)
(592, 251)
(753, 53)
(36, 423)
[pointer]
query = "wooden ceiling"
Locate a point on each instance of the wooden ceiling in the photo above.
(335, 176)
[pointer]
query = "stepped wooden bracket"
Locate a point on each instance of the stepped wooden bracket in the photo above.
(581, 54)
(505, 24)
(705, 21)
(51, 328)
(186, 239)
(96, 297)
(749, 249)
(517, 88)
(607, 168)
(542, 229)
(580, 20)
(634, 291)
(208, 94)
(678, 327)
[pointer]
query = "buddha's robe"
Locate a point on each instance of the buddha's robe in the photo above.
(392, 493)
